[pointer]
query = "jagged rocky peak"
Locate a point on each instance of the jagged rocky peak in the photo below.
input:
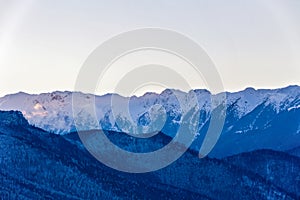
(12, 118)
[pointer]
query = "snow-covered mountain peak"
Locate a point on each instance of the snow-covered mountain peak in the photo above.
(54, 111)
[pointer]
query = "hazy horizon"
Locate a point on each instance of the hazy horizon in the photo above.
(43, 44)
(142, 94)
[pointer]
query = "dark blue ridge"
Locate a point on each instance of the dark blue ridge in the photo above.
(36, 164)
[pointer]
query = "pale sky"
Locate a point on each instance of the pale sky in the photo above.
(43, 43)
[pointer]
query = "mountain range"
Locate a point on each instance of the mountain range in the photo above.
(36, 164)
(255, 119)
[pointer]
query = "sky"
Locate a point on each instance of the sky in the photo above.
(43, 44)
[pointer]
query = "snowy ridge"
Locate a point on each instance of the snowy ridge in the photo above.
(53, 111)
